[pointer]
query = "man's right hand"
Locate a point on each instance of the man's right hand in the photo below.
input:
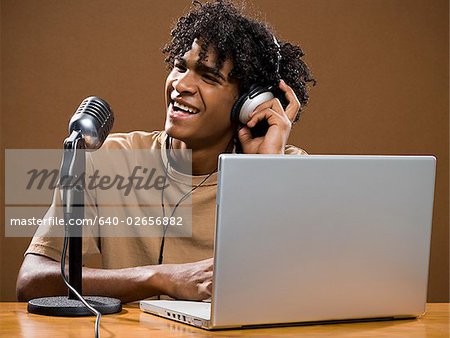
(190, 281)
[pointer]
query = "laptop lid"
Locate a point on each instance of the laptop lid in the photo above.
(317, 238)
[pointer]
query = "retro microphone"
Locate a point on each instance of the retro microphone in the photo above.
(88, 129)
(94, 120)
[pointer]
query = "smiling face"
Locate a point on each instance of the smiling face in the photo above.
(199, 100)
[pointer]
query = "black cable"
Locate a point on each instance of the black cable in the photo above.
(163, 239)
(165, 227)
(64, 277)
(166, 173)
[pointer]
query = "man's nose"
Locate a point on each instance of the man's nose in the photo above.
(185, 83)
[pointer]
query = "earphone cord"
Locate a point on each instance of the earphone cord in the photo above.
(165, 227)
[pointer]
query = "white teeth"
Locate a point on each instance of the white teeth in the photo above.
(185, 108)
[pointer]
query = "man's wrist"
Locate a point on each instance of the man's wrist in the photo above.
(158, 279)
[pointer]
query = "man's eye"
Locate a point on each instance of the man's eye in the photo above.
(210, 78)
(180, 67)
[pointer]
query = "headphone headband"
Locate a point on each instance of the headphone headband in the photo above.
(256, 95)
(278, 54)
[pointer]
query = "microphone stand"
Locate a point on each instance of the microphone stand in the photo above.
(72, 189)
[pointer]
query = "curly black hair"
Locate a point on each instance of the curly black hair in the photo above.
(247, 41)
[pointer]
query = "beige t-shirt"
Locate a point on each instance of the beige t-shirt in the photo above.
(120, 252)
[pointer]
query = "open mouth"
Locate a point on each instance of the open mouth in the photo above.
(178, 107)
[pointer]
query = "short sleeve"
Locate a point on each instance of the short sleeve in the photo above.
(293, 150)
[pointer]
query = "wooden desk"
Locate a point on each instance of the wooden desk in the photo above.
(15, 321)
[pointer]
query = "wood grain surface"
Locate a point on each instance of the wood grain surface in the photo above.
(15, 321)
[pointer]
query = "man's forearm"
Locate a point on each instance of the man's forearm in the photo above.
(128, 284)
(40, 276)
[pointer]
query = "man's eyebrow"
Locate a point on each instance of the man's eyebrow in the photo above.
(207, 69)
(181, 60)
(203, 68)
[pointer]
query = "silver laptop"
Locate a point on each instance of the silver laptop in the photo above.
(316, 238)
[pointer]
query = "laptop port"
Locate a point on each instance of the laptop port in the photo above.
(184, 318)
(198, 322)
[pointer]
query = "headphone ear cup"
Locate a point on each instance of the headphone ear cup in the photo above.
(252, 102)
(236, 110)
(237, 107)
(248, 102)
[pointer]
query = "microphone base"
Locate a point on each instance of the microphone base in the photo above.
(62, 306)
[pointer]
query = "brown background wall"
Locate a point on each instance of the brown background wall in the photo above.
(381, 66)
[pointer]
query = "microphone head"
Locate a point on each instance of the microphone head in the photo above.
(94, 118)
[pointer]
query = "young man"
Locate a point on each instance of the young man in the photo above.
(215, 55)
